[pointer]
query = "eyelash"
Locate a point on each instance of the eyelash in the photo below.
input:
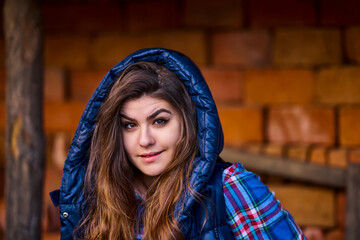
(157, 122)
(161, 121)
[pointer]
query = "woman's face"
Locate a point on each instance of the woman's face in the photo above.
(151, 129)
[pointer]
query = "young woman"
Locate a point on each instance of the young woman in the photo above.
(144, 163)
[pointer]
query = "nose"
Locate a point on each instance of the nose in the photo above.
(146, 137)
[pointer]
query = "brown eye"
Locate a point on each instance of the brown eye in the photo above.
(129, 125)
(160, 121)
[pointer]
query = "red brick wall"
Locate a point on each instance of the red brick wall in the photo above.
(284, 73)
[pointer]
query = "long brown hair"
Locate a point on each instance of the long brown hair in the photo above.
(111, 210)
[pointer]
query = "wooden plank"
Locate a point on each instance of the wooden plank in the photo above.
(353, 200)
(287, 168)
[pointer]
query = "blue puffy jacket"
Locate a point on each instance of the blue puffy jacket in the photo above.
(210, 138)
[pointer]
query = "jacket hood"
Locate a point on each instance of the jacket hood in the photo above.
(210, 136)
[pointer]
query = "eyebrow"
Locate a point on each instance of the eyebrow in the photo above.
(157, 112)
(153, 115)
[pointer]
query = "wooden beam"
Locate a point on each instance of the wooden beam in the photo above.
(353, 200)
(25, 141)
(287, 168)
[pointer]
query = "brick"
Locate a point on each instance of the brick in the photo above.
(2, 84)
(109, 49)
(255, 148)
(84, 82)
(349, 128)
(60, 145)
(213, 13)
(298, 152)
(354, 155)
(281, 13)
(312, 206)
(164, 14)
(304, 125)
(241, 125)
(226, 85)
(51, 214)
(340, 85)
(274, 150)
(2, 52)
(83, 17)
(241, 48)
(352, 45)
(274, 86)
(65, 50)
(2, 215)
(2, 115)
(318, 155)
(62, 116)
(339, 12)
(52, 235)
(314, 233)
(54, 84)
(307, 47)
(337, 234)
(341, 209)
(338, 158)
(2, 153)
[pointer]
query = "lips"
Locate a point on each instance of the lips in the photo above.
(150, 157)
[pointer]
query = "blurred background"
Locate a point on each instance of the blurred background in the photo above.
(285, 75)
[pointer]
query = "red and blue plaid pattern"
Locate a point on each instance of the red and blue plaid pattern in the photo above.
(253, 211)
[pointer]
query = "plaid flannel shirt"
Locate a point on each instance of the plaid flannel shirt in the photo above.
(253, 211)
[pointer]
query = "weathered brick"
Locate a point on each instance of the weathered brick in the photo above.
(337, 234)
(338, 158)
(339, 12)
(84, 17)
(226, 85)
(84, 82)
(313, 233)
(213, 13)
(62, 116)
(349, 118)
(281, 13)
(109, 49)
(2, 215)
(352, 44)
(305, 125)
(318, 155)
(241, 125)
(312, 206)
(2, 84)
(341, 209)
(60, 145)
(2, 52)
(298, 152)
(2, 152)
(243, 48)
(2, 115)
(65, 50)
(163, 14)
(339, 85)
(307, 47)
(354, 155)
(274, 149)
(273, 86)
(255, 148)
(51, 214)
(54, 84)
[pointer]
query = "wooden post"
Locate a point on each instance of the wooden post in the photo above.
(353, 202)
(24, 125)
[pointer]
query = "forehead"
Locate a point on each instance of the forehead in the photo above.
(145, 105)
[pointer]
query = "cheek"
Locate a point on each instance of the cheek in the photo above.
(127, 141)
